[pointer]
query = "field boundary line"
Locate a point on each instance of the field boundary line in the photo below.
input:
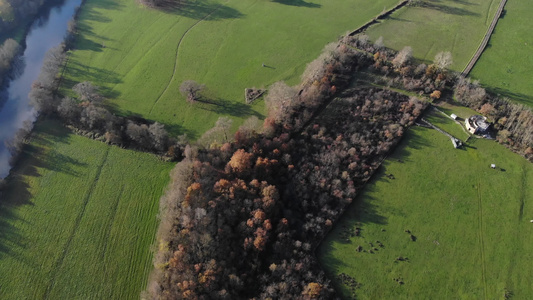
(485, 40)
(177, 55)
(77, 222)
(481, 241)
(381, 15)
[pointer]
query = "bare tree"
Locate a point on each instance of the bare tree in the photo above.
(69, 110)
(279, 100)
(191, 90)
(8, 51)
(379, 43)
(159, 136)
(443, 59)
(403, 57)
(87, 92)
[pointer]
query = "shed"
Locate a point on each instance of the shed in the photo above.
(453, 116)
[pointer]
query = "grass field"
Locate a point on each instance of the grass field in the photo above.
(447, 25)
(78, 219)
(471, 223)
(141, 56)
(505, 65)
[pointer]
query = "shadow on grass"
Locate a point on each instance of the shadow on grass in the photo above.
(518, 97)
(36, 155)
(299, 3)
(17, 190)
(226, 107)
(448, 9)
(94, 75)
(200, 10)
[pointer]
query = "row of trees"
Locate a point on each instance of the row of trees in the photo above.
(9, 51)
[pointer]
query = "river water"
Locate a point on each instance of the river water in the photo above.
(45, 33)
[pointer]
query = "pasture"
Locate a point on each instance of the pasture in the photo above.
(78, 219)
(140, 56)
(435, 26)
(505, 65)
(443, 226)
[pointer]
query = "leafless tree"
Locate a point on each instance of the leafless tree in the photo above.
(403, 57)
(87, 92)
(279, 100)
(191, 90)
(443, 59)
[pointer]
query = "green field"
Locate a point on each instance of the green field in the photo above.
(447, 25)
(141, 56)
(471, 223)
(505, 65)
(78, 219)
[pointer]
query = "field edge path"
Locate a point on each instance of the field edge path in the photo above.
(485, 40)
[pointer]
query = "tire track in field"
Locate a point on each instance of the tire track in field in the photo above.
(77, 222)
(134, 46)
(111, 221)
(522, 198)
(177, 52)
(481, 241)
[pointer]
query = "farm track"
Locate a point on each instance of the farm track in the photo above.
(111, 221)
(481, 241)
(77, 222)
(522, 193)
(485, 40)
(177, 54)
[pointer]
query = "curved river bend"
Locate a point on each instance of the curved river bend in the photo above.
(44, 34)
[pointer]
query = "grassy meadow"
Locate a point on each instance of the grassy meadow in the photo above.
(140, 56)
(78, 219)
(471, 223)
(505, 65)
(447, 25)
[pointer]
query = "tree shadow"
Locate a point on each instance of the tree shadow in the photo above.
(200, 10)
(519, 97)
(448, 9)
(226, 107)
(39, 154)
(299, 3)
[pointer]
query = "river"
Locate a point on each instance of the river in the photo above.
(45, 33)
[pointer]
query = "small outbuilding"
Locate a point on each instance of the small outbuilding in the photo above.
(477, 124)
(493, 166)
(453, 116)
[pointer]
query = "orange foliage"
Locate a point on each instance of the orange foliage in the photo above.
(241, 161)
(435, 95)
(312, 290)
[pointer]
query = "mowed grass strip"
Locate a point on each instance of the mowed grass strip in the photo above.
(133, 54)
(78, 219)
(471, 224)
(505, 67)
(447, 25)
